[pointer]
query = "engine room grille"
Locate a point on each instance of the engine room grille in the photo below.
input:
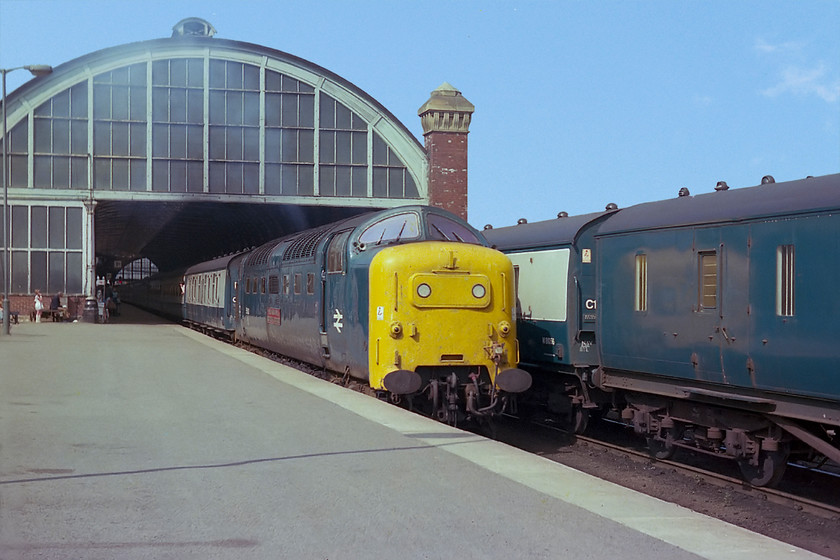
(261, 253)
(304, 245)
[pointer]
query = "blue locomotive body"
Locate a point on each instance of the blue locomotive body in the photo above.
(711, 321)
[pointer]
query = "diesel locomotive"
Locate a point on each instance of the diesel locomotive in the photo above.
(411, 301)
(710, 322)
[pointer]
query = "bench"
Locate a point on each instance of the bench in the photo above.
(54, 314)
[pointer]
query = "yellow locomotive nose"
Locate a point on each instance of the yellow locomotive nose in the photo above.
(439, 308)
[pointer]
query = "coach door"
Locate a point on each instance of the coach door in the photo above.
(722, 304)
(706, 324)
(333, 301)
(734, 301)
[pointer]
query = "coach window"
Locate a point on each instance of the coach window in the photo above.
(286, 284)
(273, 284)
(335, 254)
(262, 285)
(310, 283)
(708, 280)
(785, 280)
(297, 282)
(641, 283)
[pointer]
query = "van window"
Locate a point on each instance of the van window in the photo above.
(708, 280)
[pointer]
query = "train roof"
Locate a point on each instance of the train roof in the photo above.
(219, 263)
(814, 194)
(541, 234)
(303, 244)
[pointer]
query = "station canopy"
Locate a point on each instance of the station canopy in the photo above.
(192, 146)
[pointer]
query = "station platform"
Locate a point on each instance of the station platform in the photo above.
(142, 439)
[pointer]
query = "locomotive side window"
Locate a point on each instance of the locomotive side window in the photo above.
(247, 285)
(335, 254)
(641, 283)
(785, 279)
(273, 284)
(708, 280)
(441, 227)
(393, 229)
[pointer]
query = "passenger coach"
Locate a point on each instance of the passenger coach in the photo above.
(711, 321)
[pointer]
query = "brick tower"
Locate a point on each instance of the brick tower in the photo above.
(446, 122)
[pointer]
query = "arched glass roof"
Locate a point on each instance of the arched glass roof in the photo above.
(192, 146)
(207, 116)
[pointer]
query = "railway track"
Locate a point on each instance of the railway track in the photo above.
(773, 495)
(630, 450)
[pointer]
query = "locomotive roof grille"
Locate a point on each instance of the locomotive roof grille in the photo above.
(303, 246)
(261, 253)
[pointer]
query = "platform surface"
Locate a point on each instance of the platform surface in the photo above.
(142, 439)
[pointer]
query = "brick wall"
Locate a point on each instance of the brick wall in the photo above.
(24, 305)
(448, 171)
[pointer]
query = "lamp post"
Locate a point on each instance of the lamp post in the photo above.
(36, 70)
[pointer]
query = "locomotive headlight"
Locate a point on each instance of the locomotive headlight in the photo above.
(504, 328)
(479, 291)
(424, 290)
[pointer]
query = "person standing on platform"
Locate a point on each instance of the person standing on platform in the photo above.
(56, 307)
(39, 305)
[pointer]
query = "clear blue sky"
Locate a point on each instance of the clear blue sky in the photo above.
(578, 103)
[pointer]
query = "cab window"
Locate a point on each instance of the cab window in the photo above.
(441, 227)
(392, 230)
